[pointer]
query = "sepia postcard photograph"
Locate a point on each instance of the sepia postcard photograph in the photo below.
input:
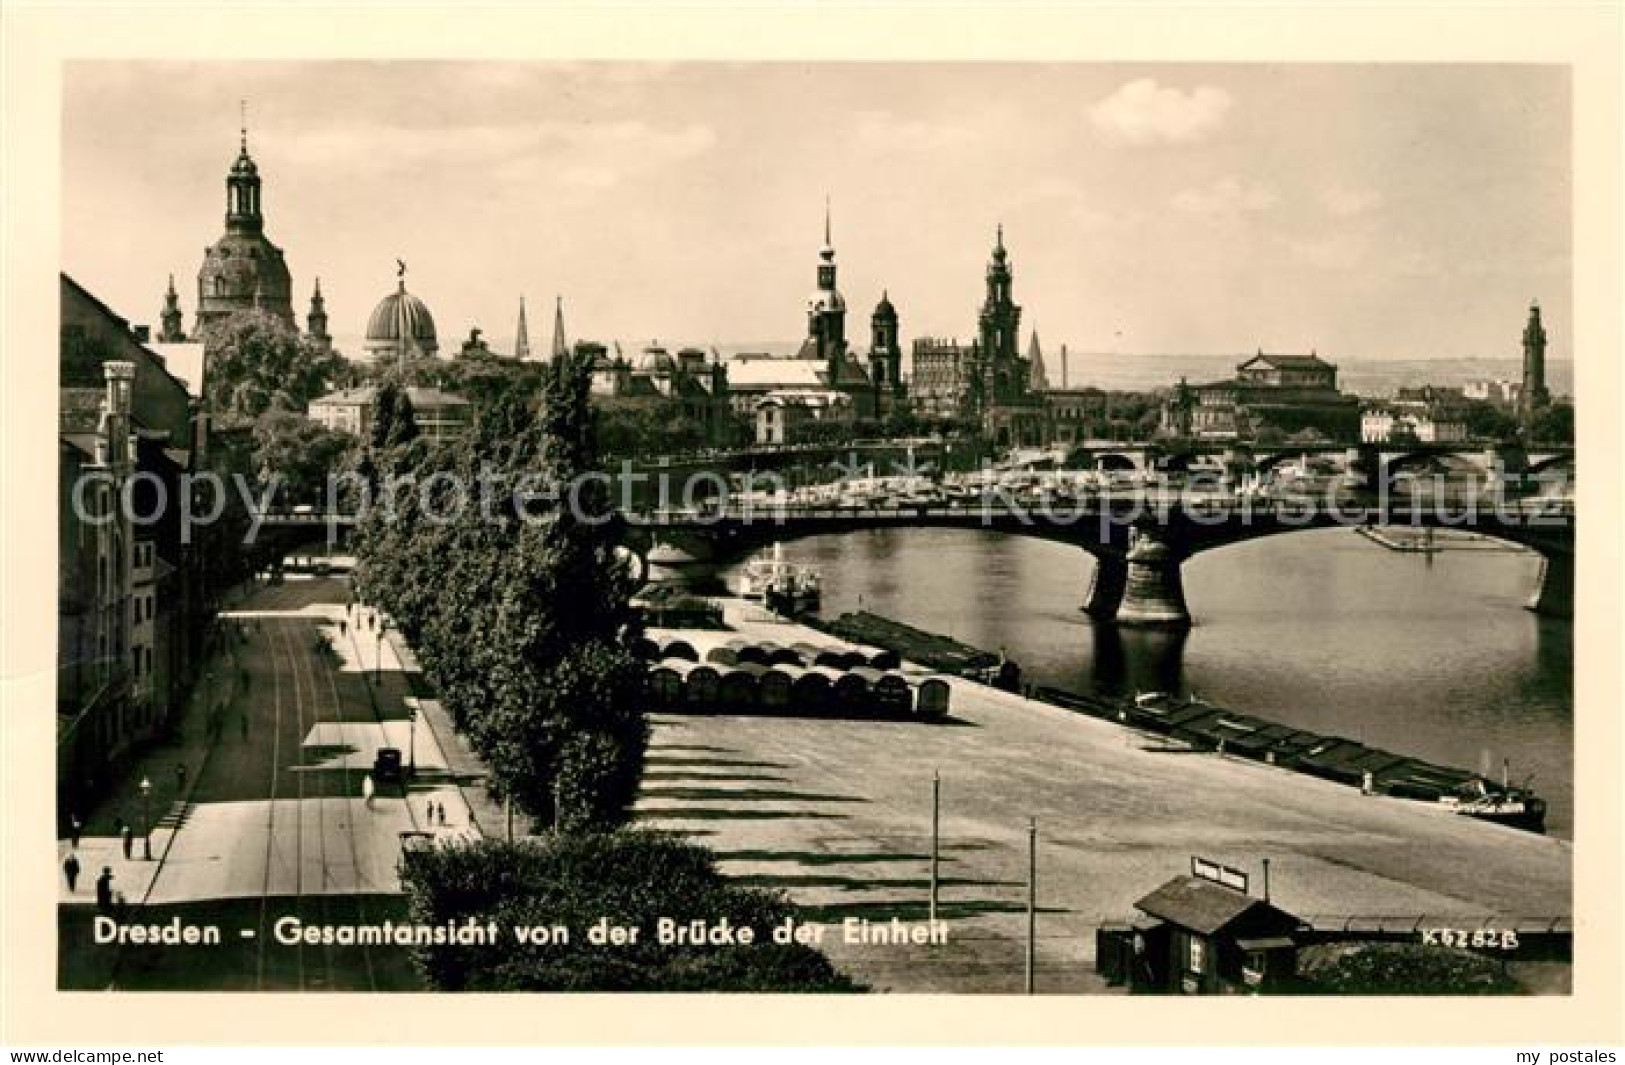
(824, 524)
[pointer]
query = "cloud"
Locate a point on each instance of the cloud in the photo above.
(1143, 112)
(1341, 202)
(1227, 198)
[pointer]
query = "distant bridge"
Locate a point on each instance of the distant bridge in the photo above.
(1139, 541)
(1140, 537)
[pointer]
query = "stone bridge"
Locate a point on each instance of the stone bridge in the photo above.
(1139, 542)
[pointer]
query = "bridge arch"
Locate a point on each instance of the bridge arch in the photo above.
(1116, 462)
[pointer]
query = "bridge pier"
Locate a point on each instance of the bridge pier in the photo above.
(1154, 589)
(1554, 593)
(1106, 587)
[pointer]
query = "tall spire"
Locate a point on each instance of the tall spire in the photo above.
(1037, 376)
(827, 242)
(558, 327)
(243, 113)
(521, 344)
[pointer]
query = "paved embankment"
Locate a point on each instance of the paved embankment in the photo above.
(837, 812)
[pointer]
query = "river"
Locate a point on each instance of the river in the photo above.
(1426, 655)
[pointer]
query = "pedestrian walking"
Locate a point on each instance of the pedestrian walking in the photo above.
(70, 869)
(180, 777)
(344, 627)
(75, 827)
(104, 889)
(128, 835)
(367, 789)
(441, 813)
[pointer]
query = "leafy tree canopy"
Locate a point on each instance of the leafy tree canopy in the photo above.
(254, 361)
(631, 878)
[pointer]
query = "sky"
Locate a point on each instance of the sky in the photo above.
(1364, 211)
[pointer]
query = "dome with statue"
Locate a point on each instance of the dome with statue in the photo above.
(401, 325)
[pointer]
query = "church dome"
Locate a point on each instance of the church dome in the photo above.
(401, 322)
(244, 166)
(884, 308)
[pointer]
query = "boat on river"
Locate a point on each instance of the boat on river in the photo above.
(784, 587)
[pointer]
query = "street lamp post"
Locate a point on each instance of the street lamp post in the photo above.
(378, 655)
(146, 819)
(412, 742)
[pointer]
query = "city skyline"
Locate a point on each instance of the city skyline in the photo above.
(1160, 208)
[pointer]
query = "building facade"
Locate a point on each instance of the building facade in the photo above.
(130, 599)
(686, 385)
(1427, 414)
(439, 415)
(943, 381)
(1285, 396)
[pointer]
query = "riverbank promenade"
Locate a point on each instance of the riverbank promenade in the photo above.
(838, 813)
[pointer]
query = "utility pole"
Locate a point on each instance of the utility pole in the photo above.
(936, 806)
(1032, 901)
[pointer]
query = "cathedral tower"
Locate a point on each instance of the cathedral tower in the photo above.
(999, 329)
(243, 269)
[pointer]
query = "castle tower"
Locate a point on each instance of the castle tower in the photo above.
(171, 331)
(521, 343)
(885, 357)
(316, 320)
(243, 269)
(826, 311)
(1534, 396)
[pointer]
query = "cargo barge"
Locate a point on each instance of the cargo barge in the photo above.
(940, 653)
(1373, 770)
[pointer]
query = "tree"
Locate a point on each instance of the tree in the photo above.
(632, 879)
(1409, 969)
(299, 452)
(255, 361)
(1553, 425)
(504, 574)
(1486, 421)
(394, 423)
